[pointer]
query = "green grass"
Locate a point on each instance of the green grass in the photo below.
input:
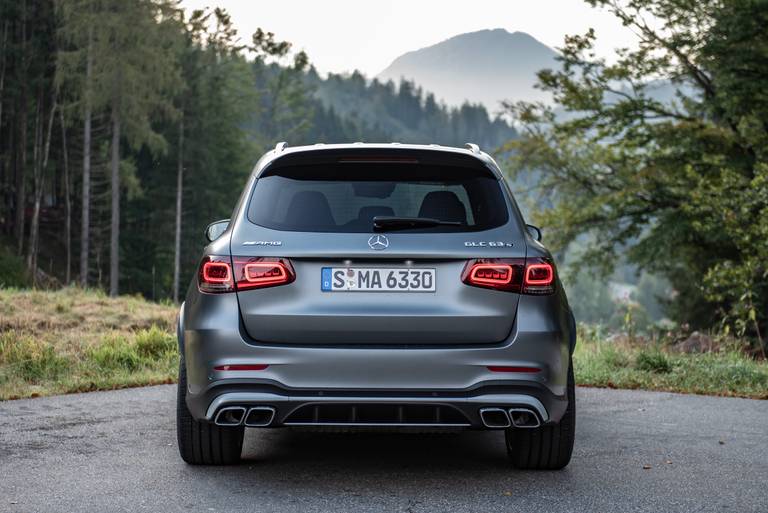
(13, 273)
(619, 363)
(74, 341)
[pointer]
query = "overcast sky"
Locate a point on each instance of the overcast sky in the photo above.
(343, 35)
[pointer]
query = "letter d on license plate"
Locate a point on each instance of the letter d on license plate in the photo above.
(377, 279)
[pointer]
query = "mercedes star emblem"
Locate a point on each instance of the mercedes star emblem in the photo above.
(378, 242)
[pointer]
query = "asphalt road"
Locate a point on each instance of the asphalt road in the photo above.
(116, 451)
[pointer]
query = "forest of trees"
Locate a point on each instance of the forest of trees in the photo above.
(126, 126)
(406, 113)
(674, 184)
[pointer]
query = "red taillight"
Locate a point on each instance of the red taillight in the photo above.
(492, 274)
(539, 277)
(531, 276)
(217, 273)
(261, 272)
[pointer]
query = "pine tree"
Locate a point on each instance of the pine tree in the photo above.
(74, 70)
(135, 76)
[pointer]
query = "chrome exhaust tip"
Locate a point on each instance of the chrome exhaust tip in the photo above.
(524, 418)
(260, 416)
(230, 416)
(494, 418)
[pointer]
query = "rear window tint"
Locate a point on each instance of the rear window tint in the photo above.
(346, 198)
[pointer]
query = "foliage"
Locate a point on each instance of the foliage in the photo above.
(653, 360)
(114, 353)
(191, 94)
(404, 112)
(618, 362)
(663, 152)
(12, 271)
(218, 98)
(135, 71)
(73, 340)
(155, 343)
(623, 299)
(29, 358)
(653, 293)
(594, 304)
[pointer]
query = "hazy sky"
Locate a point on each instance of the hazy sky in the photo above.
(343, 35)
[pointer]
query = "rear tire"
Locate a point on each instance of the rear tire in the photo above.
(545, 447)
(200, 442)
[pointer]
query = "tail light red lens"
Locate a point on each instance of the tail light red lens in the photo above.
(524, 276)
(215, 275)
(261, 272)
(216, 272)
(219, 274)
(494, 274)
(539, 277)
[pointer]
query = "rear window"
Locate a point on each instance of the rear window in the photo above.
(345, 198)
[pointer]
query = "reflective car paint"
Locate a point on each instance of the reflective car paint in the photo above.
(391, 344)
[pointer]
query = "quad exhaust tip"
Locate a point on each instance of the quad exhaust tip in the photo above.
(494, 418)
(524, 418)
(230, 416)
(260, 416)
(256, 416)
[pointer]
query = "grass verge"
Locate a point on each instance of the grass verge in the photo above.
(72, 340)
(619, 363)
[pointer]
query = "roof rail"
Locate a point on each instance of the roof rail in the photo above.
(474, 148)
(280, 146)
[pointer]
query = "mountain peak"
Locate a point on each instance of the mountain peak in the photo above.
(485, 66)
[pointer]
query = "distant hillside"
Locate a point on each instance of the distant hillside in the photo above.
(353, 108)
(486, 66)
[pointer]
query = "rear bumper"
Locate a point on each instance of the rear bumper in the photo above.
(454, 377)
(288, 404)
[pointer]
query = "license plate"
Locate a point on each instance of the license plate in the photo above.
(377, 279)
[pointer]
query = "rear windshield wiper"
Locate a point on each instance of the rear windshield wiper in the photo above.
(384, 223)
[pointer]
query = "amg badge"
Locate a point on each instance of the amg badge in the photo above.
(263, 243)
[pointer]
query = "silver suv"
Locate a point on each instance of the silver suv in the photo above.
(376, 285)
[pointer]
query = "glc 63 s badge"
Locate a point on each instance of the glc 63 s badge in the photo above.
(488, 244)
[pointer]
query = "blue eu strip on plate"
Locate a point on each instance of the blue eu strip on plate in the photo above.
(325, 282)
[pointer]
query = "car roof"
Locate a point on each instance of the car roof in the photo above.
(430, 152)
